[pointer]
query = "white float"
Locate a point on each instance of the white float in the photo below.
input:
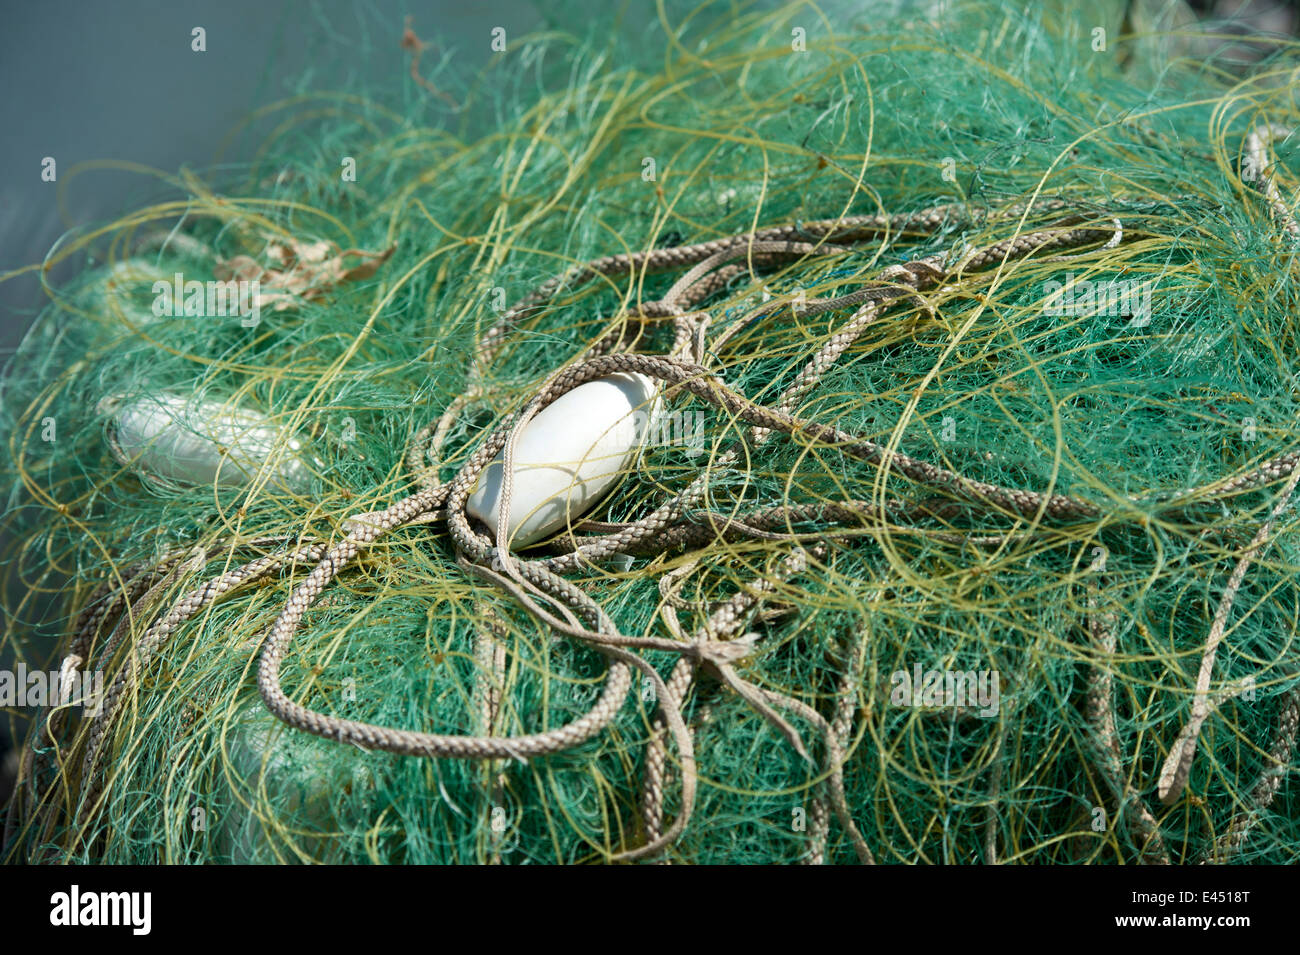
(199, 443)
(569, 455)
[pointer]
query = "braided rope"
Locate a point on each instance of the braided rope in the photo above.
(674, 523)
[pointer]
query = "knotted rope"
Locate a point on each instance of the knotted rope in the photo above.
(538, 585)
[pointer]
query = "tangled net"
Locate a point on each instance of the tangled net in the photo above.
(848, 262)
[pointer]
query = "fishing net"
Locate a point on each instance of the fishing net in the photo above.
(970, 539)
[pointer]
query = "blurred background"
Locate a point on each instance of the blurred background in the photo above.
(88, 83)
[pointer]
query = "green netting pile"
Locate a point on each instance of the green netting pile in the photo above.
(702, 124)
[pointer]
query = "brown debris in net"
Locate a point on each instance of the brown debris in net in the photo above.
(299, 271)
(416, 47)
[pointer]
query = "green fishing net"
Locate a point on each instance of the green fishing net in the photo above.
(1143, 373)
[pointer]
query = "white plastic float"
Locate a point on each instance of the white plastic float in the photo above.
(199, 443)
(569, 455)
